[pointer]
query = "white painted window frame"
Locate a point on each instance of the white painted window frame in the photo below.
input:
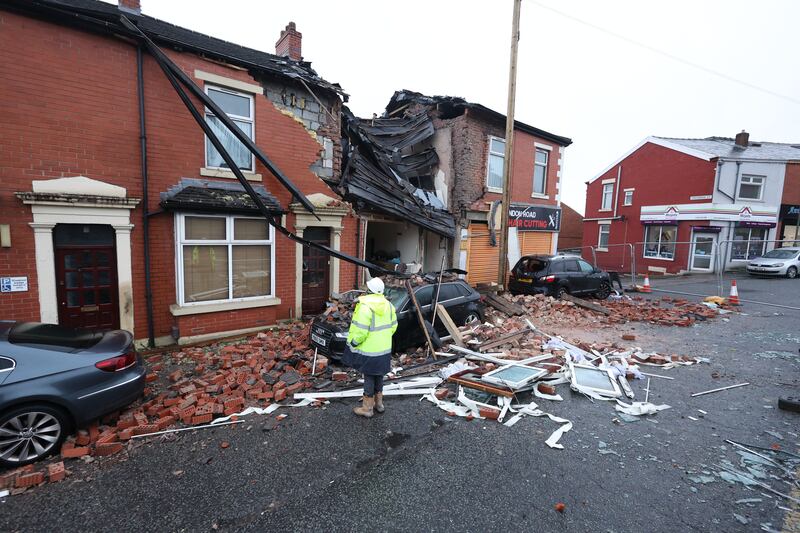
(762, 180)
(603, 206)
(251, 119)
(546, 152)
(625, 199)
(600, 232)
(750, 242)
(659, 257)
(489, 154)
(180, 241)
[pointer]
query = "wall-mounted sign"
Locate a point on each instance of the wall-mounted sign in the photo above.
(15, 284)
(727, 212)
(534, 217)
(701, 197)
(790, 212)
(707, 229)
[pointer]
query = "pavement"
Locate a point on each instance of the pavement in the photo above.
(414, 468)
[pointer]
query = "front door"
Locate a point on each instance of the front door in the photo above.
(86, 283)
(703, 251)
(316, 270)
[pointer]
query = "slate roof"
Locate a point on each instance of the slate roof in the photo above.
(175, 36)
(725, 148)
(216, 196)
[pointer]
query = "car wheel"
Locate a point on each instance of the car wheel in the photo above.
(561, 292)
(30, 433)
(471, 316)
(791, 272)
(604, 291)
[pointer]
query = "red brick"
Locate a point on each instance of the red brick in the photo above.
(339, 376)
(149, 378)
(126, 434)
(29, 480)
(165, 422)
(82, 438)
(56, 472)
(78, 451)
(202, 419)
(175, 376)
(144, 429)
(109, 448)
(280, 395)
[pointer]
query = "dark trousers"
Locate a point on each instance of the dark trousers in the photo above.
(372, 384)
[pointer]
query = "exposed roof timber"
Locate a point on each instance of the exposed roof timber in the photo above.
(660, 142)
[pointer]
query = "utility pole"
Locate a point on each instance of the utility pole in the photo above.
(502, 267)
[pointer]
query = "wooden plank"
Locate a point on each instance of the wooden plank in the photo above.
(504, 306)
(421, 320)
(451, 327)
(580, 302)
(507, 338)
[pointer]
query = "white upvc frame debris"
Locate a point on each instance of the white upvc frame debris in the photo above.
(533, 373)
(612, 391)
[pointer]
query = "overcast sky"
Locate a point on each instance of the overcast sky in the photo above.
(601, 90)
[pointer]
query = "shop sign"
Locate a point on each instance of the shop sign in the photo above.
(534, 217)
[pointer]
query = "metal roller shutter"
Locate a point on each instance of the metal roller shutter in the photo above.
(535, 242)
(481, 255)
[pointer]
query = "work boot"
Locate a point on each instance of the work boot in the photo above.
(379, 402)
(367, 405)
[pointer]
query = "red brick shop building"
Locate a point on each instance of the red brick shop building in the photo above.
(73, 177)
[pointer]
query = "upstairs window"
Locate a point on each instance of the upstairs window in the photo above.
(540, 172)
(239, 108)
(628, 199)
(751, 187)
(608, 196)
(494, 178)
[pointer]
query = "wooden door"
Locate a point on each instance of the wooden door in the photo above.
(86, 284)
(316, 271)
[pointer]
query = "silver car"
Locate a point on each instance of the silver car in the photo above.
(54, 379)
(777, 262)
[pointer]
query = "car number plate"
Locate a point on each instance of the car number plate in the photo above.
(525, 280)
(319, 340)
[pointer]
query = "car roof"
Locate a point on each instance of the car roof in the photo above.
(551, 257)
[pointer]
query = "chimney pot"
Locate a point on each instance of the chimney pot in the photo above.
(290, 43)
(131, 6)
(742, 139)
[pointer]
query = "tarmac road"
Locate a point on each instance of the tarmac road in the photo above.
(415, 469)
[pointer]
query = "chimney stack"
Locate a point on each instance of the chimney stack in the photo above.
(743, 139)
(130, 6)
(290, 43)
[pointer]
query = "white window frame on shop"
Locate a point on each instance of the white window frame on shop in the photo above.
(750, 243)
(494, 154)
(232, 144)
(659, 250)
(750, 181)
(607, 194)
(230, 242)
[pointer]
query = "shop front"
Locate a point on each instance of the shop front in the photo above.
(789, 225)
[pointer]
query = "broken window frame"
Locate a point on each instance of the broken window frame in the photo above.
(236, 118)
(229, 242)
(490, 154)
(536, 373)
(615, 393)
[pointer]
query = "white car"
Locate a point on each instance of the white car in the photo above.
(777, 262)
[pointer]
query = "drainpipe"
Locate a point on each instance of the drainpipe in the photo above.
(358, 250)
(148, 290)
(616, 192)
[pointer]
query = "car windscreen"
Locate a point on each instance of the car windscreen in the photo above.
(52, 335)
(396, 295)
(531, 265)
(780, 254)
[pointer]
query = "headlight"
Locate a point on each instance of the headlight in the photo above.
(340, 335)
(778, 265)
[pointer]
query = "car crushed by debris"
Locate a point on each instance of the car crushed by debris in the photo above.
(556, 275)
(461, 301)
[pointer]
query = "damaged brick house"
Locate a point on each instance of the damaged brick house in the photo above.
(468, 139)
(85, 206)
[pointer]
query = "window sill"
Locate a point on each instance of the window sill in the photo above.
(222, 173)
(181, 310)
(626, 205)
(541, 196)
(604, 210)
(495, 190)
(601, 249)
(659, 258)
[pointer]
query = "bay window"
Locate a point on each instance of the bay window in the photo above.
(239, 108)
(659, 241)
(748, 243)
(224, 258)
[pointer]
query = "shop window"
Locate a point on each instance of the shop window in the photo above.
(660, 241)
(604, 233)
(608, 196)
(494, 177)
(748, 243)
(751, 187)
(540, 172)
(224, 258)
(239, 108)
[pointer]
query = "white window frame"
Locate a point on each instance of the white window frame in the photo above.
(658, 256)
(603, 193)
(543, 193)
(180, 242)
(489, 154)
(600, 226)
(627, 200)
(251, 119)
(750, 242)
(750, 179)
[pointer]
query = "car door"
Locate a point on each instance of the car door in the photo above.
(590, 277)
(452, 300)
(575, 279)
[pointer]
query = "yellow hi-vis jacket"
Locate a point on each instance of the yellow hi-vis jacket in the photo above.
(372, 326)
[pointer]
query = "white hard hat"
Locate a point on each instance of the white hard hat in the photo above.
(375, 285)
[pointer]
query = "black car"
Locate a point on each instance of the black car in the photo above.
(556, 275)
(54, 379)
(463, 304)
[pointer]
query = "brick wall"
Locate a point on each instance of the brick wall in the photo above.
(71, 108)
(571, 234)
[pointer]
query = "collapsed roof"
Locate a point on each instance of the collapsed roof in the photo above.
(216, 196)
(390, 170)
(454, 106)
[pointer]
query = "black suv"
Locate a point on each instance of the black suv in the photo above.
(463, 304)
(558, 274)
